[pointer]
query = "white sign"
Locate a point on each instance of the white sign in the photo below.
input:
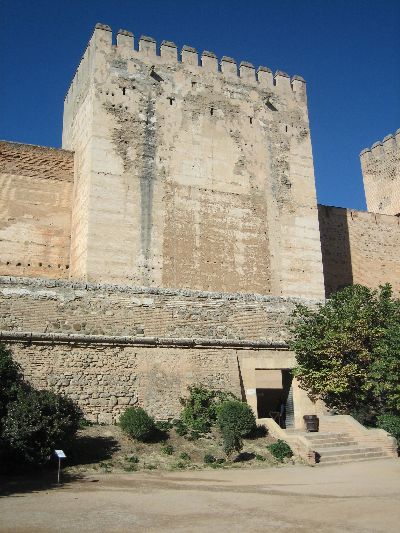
(250, 392)
(60, 454)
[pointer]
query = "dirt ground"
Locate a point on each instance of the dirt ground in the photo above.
(356, 497)
(106, 449)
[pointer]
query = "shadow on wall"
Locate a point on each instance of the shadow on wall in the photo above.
(335, 247)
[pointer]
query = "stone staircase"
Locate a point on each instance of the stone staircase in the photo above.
(341, 439)
(333, 448)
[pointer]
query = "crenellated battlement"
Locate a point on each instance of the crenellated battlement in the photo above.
(381, 174)
(125, 43)
(379, 149)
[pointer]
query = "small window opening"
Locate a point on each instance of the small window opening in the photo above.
(286, 128)
(193, 84)
(251, 120)
(123, 91)
(171, 100)
(211, 111)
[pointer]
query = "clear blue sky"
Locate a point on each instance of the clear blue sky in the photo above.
(347, 50)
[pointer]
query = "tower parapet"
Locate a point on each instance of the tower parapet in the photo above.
(380, 166)
(190, 171)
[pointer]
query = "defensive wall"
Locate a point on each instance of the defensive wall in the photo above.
(359, 247)
(177, 229)
(109, 346)
(35, 210)
(381, 172)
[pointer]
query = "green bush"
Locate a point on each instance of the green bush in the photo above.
(390, 423)
(136, 423)
(180, 427)
(280, 450)
(37, 422)
(185, 456)
(209, 459)
(167, 450)
(235, 421)
(10, 380)
(200, 408)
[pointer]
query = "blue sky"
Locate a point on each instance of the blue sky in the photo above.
(347, 50)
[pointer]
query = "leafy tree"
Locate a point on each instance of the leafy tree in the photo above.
(348, 350)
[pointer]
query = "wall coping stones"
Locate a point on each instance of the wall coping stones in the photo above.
(190, 293)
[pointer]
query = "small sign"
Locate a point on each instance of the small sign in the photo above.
(250, 392)
(60, 454)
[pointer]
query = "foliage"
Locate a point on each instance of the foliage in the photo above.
(390, 423)
(209, 459)
(136, 423)
(37, 422)
(163, 425)
(10, 380)
(167, 450)
(133, 459)
(235, 420)
(348, 350)
(280, 450)
(180, 427)
(185, 456)
(200, 408)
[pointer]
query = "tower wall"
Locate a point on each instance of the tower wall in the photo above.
(381, 173)
(190, 175)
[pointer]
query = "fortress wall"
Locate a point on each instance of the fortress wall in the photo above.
(106, 378)
(359, 247)
(193, 175)
(35, 210)
(381, 173)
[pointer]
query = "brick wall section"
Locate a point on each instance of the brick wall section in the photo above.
(359, 247)
(35, 210)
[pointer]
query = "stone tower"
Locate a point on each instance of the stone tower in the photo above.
(380, 166)
(190, 175)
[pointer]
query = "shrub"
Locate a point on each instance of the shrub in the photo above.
(163, 425)
(390, 423)
(136, 423)
(235, 421)
(167, 450)
(209, 459)
(180, 427)
(185, 456)
(280, 450)
(10, 380)
(37, 422)
(132, 459)
(200, 408)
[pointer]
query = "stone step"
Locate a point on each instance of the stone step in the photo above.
(352, 458)
(333, 444)
(349, 450)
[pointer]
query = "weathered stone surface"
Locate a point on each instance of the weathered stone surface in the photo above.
(381, 172)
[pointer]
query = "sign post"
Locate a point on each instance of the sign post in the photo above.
(61, 455)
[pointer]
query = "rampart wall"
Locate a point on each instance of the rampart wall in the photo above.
(359, 247)
(381, 172)
(171, 338)
(35, 210)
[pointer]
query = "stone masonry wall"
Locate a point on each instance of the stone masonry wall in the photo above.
(190, 175)
(381, 173)
(35, 210)
(104, 379)
(359, 247)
